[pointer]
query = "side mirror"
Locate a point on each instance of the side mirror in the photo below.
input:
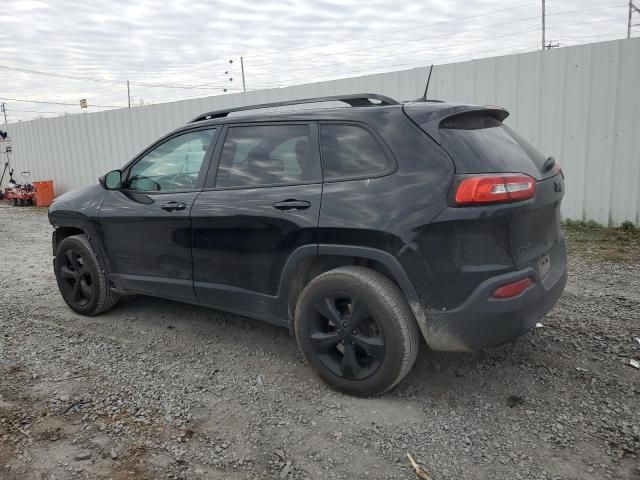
(112, 180)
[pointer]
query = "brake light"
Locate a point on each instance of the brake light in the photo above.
(508, 187)
(512, 289)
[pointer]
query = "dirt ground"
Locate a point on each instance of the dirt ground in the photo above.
(161, 390)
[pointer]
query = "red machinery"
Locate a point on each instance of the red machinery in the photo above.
(20, 194)
(25, 193)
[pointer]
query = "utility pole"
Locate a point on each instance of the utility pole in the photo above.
(543, 26)
(244, 86)
(4, 110)
(545, 45)
(632, 7)
(128, 94)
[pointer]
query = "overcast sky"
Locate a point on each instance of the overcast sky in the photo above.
(188, 44)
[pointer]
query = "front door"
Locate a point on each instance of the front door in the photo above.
(258, 206)
(146, 227)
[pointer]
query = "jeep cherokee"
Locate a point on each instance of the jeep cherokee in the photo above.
(360, 227)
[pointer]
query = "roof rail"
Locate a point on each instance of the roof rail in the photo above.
(356, 100)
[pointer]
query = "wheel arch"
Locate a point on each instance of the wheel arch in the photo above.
(307, 263)
(61, 232)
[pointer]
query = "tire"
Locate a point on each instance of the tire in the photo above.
(355, 328)
(81, 280)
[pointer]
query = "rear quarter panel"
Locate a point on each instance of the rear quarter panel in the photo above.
(390, 213)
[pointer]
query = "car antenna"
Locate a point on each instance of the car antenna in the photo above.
(426, 89)
(423, 98)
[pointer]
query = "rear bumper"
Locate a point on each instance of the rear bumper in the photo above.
(482, 322)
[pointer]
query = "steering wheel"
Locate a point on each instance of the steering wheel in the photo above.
(182, 181)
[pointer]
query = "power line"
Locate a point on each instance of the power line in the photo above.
(421, 50)
(449, 34)
(207, 64)
(56, 103)
(111, 82)
(437, 61)
(359, 50)
(364, 37)
(493, 12)
(425, 26)
(217, 87)
(14, 111)
(368, 52)
(593, 35)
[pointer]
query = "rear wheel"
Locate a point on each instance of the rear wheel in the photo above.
(355, 328)
(80, 278)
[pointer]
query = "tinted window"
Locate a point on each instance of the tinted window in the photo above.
(267, 155)
(172, 165)
(478, 142)
(350, 151)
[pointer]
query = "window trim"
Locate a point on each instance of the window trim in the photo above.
(212, 174)
(392, 163)
(126, 169)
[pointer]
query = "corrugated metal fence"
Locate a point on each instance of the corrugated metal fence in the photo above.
(580, 104)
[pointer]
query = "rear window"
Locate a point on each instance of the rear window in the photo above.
(350, 151)
(480, 143)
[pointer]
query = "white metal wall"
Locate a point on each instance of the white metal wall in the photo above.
(580, 104)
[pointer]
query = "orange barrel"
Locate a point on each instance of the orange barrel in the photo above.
(44, 193)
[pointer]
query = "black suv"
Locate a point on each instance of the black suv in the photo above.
(359, 227)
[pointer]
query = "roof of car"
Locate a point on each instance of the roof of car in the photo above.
(335, 113)
(356, 107)
(353, 100)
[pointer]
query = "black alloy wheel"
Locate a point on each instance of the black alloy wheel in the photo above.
(76, 280)
(356, 330)
(81, 279)
(346, 337)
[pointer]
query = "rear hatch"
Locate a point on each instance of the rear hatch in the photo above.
(477, 140)
(481, 145)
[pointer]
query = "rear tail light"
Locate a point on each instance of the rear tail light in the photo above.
(512, 289)
(509, 187)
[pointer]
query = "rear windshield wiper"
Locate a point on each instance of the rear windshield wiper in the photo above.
(548, 164)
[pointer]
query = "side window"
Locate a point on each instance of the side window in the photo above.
(262, 155)
(172, 165)
(350, 151)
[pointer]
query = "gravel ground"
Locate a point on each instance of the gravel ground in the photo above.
(159, 389)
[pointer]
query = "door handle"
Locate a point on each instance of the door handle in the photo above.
(172, 206)
(292, 205)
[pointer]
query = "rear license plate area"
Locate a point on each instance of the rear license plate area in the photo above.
(544, 265)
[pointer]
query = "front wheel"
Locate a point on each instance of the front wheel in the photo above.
(81, 280)
(356, 330)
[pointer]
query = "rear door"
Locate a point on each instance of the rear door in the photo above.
(260, 203)
(146, 227)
